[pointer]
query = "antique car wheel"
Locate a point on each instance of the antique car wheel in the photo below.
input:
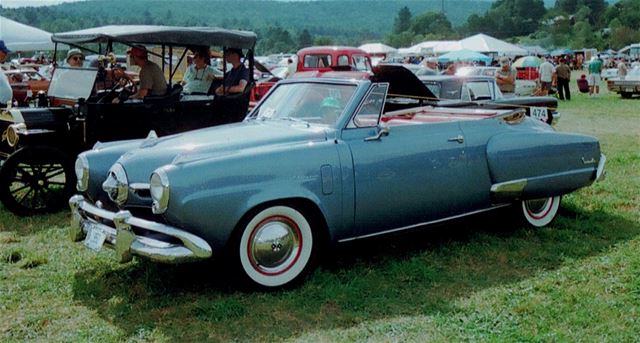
(626, 95)
(540, 212)
(36, 180)
(276, 247)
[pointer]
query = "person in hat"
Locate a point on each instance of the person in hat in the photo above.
(506, 77)
(6, 93)
(75, 58)
(236, 79)
(152, 81)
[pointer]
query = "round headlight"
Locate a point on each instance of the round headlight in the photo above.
(82, 173)
(159, 188)
(13, 133)
(116, 185)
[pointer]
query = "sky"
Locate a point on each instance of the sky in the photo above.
(25, 3)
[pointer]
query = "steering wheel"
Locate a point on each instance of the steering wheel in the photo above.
(128, 88)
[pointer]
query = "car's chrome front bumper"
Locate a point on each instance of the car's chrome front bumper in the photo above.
(126, 243)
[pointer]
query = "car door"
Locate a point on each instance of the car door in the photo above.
(407, 175)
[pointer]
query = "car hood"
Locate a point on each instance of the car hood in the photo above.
(215, 142)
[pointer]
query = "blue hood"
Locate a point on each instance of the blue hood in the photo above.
(214, 142)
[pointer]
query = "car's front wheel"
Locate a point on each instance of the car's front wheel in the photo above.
(276, 247)
(35, 180)
(540, 212)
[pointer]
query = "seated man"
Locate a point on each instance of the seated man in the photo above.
(236, 79)
(152, 81)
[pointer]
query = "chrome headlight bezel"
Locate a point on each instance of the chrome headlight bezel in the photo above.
(81, 169)
(116, 185)
(159, 189)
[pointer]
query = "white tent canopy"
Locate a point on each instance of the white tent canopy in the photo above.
(447, 46)
(377, 48)
(21, 37)
(487, 44)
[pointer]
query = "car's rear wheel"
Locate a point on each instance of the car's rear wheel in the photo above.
(276, 247)
(540, 212)
(36, 180)
(626, 95)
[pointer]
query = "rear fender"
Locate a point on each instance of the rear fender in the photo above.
(540, 164)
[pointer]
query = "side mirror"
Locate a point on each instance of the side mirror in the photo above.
(382, 131)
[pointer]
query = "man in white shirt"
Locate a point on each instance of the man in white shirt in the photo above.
(546, 70)
(6, 93)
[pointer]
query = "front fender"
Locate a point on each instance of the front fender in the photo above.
(209, 197)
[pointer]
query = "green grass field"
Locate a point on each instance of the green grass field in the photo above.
(481, 279)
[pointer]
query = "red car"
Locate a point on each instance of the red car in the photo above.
(26, 83)
(317, 60)
(320, 59)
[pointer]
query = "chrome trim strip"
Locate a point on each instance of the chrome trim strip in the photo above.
(423, 224)
(600, 173)
(126, 243)
(508, 190)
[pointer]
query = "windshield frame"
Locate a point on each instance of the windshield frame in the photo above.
(346, 103)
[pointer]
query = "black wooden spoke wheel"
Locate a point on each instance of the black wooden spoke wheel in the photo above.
(36, 180)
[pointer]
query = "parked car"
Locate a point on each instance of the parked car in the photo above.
(26, 83)
(417, 69)
(484, 91)
(609, 73)
(320, 161)
(628, 86)
(525, 79)
(39, 145)
(316, 60)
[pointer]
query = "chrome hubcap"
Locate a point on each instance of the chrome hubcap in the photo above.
(275, 245)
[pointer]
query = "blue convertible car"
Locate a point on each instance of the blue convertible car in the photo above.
(318, 162)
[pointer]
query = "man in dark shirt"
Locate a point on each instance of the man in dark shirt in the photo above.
(236, 79)
(563, 75)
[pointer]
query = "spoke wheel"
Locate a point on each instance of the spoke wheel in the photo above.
(36, 180)
(276, 247)
(540, 212)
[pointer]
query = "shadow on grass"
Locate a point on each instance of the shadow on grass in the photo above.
(412, 274)
(25, 226)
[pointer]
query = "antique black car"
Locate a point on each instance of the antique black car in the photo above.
(39, 145)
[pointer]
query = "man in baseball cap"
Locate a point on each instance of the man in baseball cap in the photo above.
(6, 93)
(152, 81)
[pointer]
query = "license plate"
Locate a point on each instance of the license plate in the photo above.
(95, 237)
(539, 113)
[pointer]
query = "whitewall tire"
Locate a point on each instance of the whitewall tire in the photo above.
(276, 246)
(540, 212)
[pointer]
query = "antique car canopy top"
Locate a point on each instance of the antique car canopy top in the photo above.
(160, 35)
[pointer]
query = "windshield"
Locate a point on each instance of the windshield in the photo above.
(72, 83)
(318, 103)
(444, 90)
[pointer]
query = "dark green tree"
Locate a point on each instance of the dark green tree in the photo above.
(435, 23)
(402, 22)
(305, 39)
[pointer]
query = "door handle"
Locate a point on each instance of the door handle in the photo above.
(382, 132)
(458, 138)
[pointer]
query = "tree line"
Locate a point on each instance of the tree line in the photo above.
(569, 23)
(288, 26)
